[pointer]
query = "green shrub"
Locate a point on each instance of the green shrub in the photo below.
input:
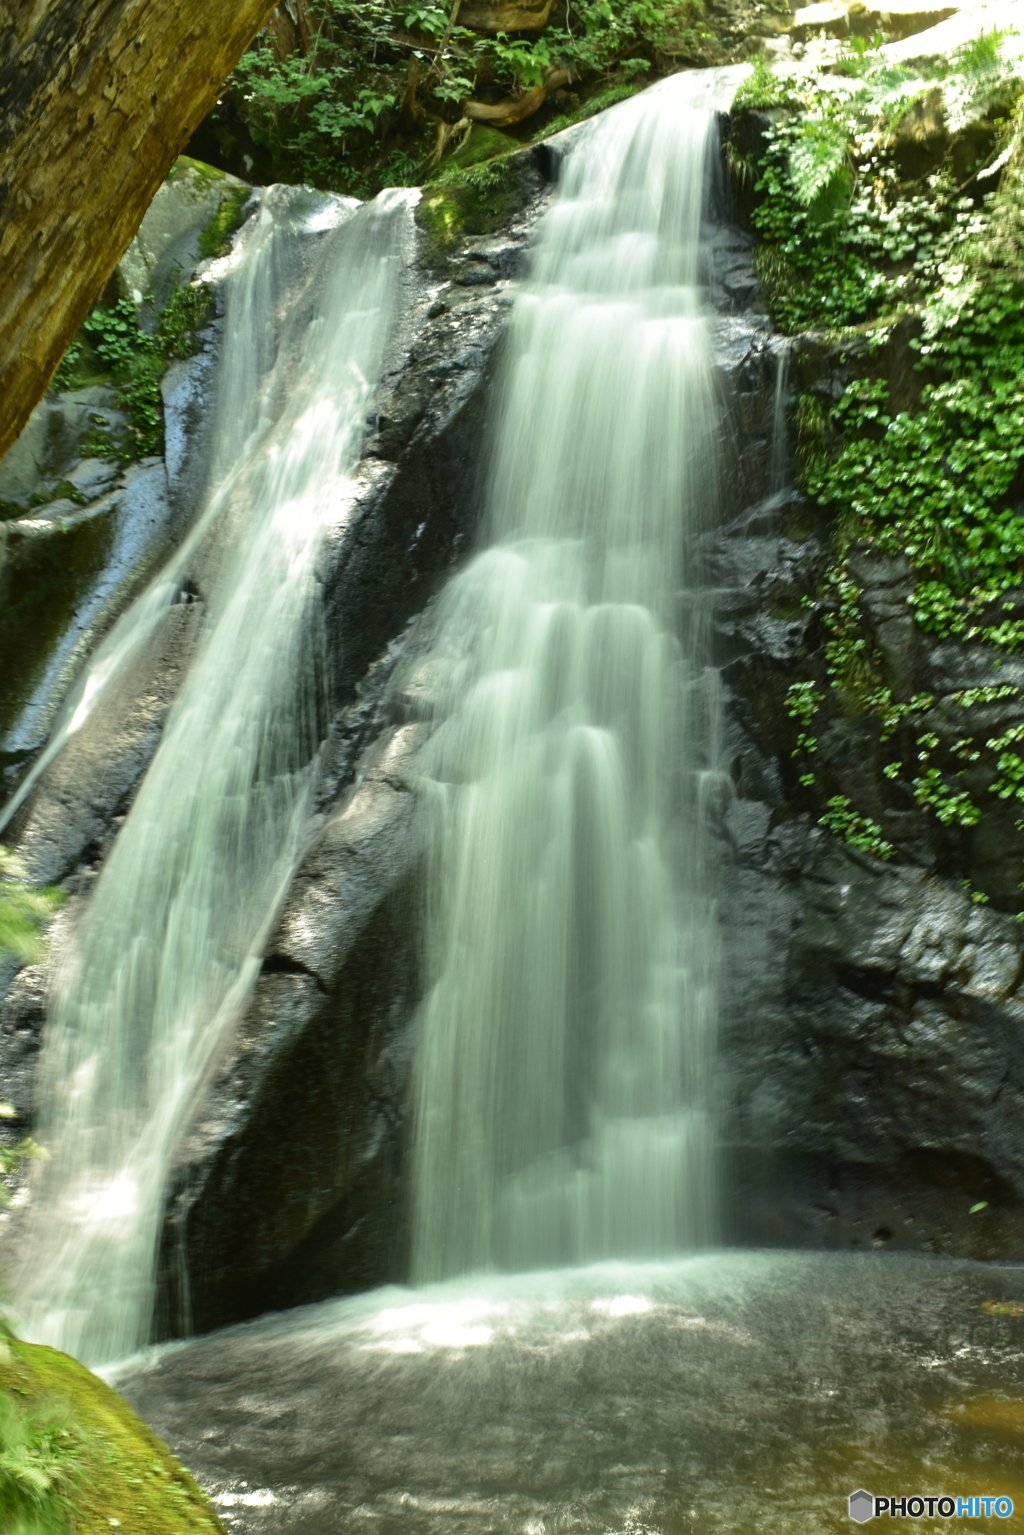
(363, 108)
(848, 241)
(114, 346)
(41, 1460)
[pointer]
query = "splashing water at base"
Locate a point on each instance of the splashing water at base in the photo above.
(562, 1088)
(724, 1394)
(169, 943)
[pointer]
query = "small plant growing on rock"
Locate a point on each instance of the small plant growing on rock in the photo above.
(135, 360)
(23, 910)
(858, 237)
(40, 1461)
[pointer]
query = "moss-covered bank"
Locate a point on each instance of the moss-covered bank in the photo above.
(75, 1457)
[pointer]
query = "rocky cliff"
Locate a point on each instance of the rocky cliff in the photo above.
(870, 1041)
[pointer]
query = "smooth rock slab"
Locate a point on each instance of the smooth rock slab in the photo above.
(728, 1392)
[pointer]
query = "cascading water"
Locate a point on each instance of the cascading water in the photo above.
(562, 1085)
(780, 403)
(169, 943)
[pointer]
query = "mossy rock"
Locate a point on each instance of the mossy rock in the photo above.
(125, 1479)
(188, 163)
(215, 239)
(482, 144)
(479, 202)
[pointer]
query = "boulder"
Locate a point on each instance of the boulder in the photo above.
(94, 1451)
(66, 570)
(170, 245)
(872, 1033)
(50, 446)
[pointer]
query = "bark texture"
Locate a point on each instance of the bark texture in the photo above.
(516, 109)
(96, 101)
(498, 16)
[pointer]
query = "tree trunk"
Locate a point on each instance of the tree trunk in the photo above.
(97, 98)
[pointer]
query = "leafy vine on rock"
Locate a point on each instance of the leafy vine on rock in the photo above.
(887, 200)
(113, 347)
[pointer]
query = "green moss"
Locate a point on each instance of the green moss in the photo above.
(482, 144)
(474, 203)
(64, 490)
(215, 239)
(186, 311)
(23, 910)
(116, 1472)
(186, 163)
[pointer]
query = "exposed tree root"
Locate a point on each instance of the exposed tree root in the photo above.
(515, 109)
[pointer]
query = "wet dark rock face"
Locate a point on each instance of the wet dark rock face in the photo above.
(873, 1015)
(872, 1052)
(292, 1185)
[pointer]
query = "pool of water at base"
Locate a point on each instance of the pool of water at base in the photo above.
(732, 1391)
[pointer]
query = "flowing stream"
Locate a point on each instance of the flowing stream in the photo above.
(170, 941)
(563, 1079)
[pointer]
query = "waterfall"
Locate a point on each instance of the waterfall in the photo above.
(780, 425)
(169, 943)
(562, 1091)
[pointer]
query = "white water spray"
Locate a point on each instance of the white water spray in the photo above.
(780, 423)
(562, 1087)
(169, 945)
